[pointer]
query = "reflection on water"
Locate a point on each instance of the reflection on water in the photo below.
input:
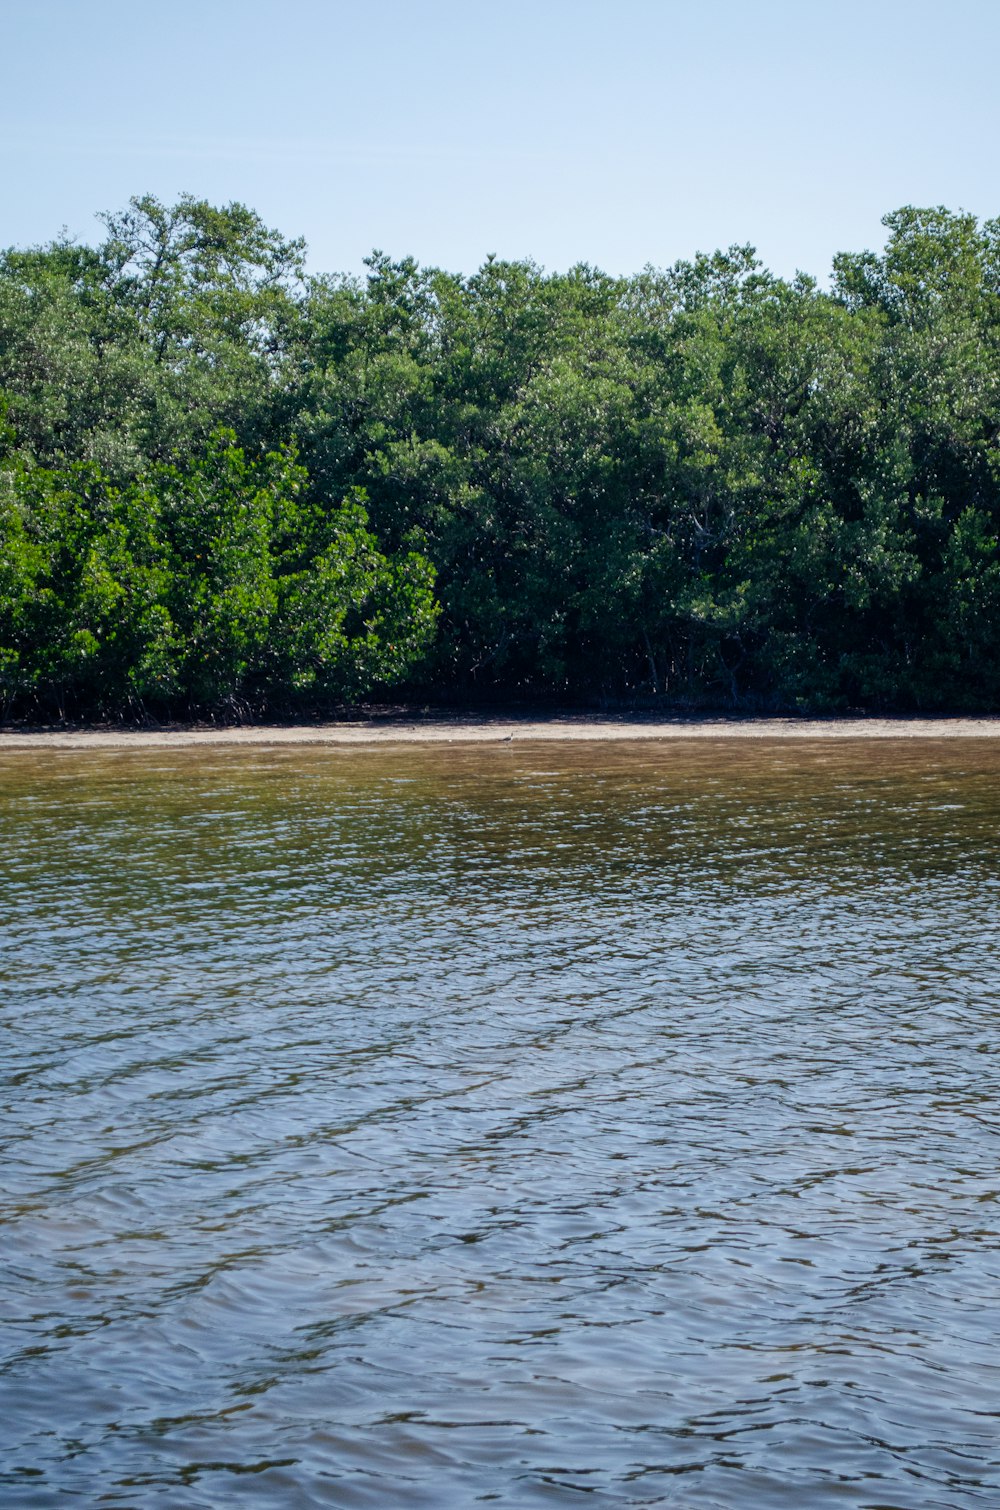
(433, 1127)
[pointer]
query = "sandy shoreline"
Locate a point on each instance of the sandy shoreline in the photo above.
(477, 730)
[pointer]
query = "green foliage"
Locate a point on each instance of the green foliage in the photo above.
(349, 618)
(84, 621)
(204, 587)
(703, 483)
(136, 351)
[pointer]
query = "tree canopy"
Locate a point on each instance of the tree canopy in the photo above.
(225, 484)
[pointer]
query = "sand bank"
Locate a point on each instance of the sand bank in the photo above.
(479, 730)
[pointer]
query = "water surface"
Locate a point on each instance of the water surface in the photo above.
(609, 1125)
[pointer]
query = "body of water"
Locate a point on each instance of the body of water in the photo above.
(601, 1124)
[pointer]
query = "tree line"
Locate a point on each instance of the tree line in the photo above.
(227, 486)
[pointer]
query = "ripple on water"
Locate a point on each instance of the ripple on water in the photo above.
(441, 1126)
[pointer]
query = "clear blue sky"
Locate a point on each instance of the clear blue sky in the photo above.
(616, 133)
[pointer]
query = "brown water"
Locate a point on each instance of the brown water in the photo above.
(614, 1125)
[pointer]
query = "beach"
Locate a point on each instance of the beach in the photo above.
(475, 729)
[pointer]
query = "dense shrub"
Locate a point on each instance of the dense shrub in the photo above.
(704, 484)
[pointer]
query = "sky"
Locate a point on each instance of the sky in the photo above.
(618, 133)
